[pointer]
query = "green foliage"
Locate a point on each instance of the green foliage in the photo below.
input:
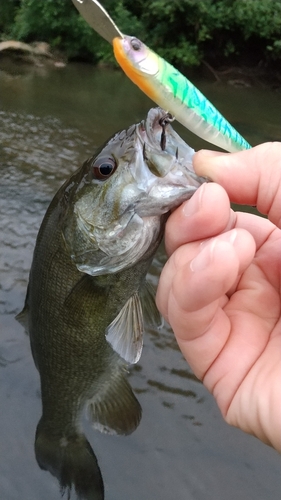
(58, 23)
(258, 17)
(188, 31)
(7, 14)
(182, 31)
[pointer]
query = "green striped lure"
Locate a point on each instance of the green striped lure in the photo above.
(166, 86)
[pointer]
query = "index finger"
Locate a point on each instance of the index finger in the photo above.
(251, 177)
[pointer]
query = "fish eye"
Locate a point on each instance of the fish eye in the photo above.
(103, 168)
(136, 44)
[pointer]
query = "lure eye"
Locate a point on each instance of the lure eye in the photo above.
(104, 168)
(136, 44)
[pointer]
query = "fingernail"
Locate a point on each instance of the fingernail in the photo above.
(206, 162)
(208, 153)
(207, 248)
(204, 258)
(229, 236)
(192, 206)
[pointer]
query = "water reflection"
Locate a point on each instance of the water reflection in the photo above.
(182, 447)
(172, 390)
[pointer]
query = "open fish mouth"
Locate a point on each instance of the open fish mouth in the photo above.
(169, 177)
(163, 148)
(155, 127)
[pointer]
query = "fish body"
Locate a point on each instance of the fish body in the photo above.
(166, 86)
(87, 298)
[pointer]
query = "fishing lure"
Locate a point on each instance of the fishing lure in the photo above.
(166, 86)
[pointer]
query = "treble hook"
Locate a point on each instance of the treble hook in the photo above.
(163, 122)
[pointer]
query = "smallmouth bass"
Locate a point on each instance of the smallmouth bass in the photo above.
(87, 298)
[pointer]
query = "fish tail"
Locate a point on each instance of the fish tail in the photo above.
(71, 460)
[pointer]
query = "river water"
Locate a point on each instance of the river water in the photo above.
(51, 120)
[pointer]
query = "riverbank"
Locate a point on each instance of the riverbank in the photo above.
(17, 57)
(241, 76)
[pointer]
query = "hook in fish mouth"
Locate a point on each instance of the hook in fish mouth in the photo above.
(163, 122)
(167, 118)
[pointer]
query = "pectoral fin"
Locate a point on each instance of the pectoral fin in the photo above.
(151, 315)
(125, 333)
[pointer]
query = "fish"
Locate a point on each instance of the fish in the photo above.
(172, 91)
(88, 301)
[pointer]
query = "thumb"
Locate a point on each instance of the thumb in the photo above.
(251, 177)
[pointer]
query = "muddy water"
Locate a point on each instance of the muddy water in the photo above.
(50, 122)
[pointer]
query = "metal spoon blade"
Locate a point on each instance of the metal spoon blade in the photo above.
(97, 17)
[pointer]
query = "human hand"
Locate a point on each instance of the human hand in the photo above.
(220, 289)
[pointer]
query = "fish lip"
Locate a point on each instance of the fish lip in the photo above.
(149, 126)
(149, 133)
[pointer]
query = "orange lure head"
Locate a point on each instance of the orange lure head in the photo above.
(138, 62)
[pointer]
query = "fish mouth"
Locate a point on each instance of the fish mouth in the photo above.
(150, 129)
(167, 156)
(160, 140)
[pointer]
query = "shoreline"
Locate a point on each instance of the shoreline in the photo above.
(19, 57)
